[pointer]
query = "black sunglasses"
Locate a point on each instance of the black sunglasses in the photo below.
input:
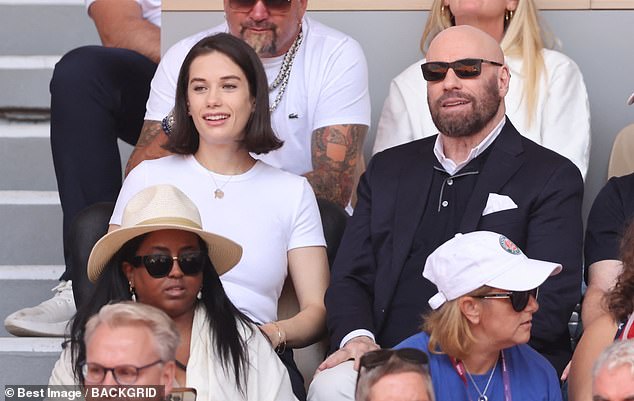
(274, 6)
(519, 299)
(378, 357)
(159, 266)
(123, 374)
(465, 68)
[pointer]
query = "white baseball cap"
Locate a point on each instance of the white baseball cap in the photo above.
(470, 261)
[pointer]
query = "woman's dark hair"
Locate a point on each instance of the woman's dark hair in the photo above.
(620, 300)
(223, 317)
(259, 136)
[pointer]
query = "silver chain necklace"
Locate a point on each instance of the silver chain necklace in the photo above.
(281, 80)
(218, 192)
(483, 394)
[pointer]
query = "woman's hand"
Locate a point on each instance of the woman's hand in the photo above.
(274, 334)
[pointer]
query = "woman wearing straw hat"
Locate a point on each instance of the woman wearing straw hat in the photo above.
(160, 256)
(476, 333)
(222, 118)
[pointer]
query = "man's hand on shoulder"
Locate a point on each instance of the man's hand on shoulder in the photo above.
(149, 145)
(353, 349)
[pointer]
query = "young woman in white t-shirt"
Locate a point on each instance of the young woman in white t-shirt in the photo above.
(222, 118)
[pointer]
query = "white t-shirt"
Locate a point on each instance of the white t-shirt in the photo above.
(266, 210)
(328, 86)
(151, 9)
(562, 117)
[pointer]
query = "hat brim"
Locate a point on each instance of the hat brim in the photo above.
(223, 252)
(526, 275)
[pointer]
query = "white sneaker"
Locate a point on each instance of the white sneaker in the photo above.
(48, 319)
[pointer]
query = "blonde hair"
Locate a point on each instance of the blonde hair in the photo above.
(449, 330)
(523, 37)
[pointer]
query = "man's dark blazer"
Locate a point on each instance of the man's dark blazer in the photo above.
(392, 194)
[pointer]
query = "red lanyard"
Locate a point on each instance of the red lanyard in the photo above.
(461, 370)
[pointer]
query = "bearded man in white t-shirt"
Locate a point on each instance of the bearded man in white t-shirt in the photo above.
(320, 106)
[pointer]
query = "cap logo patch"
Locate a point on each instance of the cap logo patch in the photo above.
(509, 246)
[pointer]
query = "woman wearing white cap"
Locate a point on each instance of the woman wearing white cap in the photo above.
(476, 333)
(160, 256)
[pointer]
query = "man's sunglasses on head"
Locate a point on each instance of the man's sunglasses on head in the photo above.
(465, 68)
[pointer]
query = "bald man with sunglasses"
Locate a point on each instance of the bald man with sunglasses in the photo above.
(319, 99)
(478, 173)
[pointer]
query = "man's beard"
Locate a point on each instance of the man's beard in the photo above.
(265, 43)
(467, 124)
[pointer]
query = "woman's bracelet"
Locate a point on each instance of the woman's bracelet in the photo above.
(281, 344)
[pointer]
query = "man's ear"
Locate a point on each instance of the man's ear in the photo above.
(471, 308)
(168, 375)
(504, 78)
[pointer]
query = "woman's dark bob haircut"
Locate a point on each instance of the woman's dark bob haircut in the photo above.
(259, 136)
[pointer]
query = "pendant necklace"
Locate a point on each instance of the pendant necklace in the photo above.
(281, 80)
(483, 394)
(218, 192)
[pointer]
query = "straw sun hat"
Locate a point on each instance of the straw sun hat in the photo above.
(161, 207)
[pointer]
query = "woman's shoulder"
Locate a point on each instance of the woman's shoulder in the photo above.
(525, 356)
(418, 341)
(265, 170)
(411, 74)
(556, 60)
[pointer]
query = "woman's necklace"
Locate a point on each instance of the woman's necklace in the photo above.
(218, 192)
(483, 394)
(285, 71)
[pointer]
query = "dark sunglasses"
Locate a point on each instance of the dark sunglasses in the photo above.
(465, 68)
(274, 6)
(159, 266)
(123, 374)
(377, 358)
(519, 299)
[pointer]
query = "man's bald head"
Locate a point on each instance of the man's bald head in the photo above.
(464, 41)
(467, 106)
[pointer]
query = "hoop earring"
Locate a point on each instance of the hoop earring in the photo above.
(508, 15)
(132, 291)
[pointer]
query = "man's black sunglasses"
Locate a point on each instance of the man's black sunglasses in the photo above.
(275, 6)
(158, 266)
(519, 299)
(465, 68)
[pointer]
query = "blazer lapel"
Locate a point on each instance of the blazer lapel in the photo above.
(503, 161)
(411, 198)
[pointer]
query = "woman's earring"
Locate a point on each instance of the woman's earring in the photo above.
(508, 15)
(442, 10)
(200, 293)
(132, 291)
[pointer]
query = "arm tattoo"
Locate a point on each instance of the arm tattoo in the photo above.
(335, 153)
(149, 138)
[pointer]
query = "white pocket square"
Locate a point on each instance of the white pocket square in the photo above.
(497, 203)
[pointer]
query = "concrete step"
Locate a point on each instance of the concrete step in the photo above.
(25, 156)
(32, 365)
(44, 27)
(32, 228)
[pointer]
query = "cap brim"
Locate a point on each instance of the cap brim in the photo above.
(223, 252)
(528, 274)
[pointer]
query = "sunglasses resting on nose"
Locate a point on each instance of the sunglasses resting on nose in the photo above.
(519, 299)
(465, 68)
(277, 6)
(159, 266)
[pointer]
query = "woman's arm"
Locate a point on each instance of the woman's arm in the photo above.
(308, 270)
(595, 339)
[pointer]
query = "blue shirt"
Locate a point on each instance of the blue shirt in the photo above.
(531, 376)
